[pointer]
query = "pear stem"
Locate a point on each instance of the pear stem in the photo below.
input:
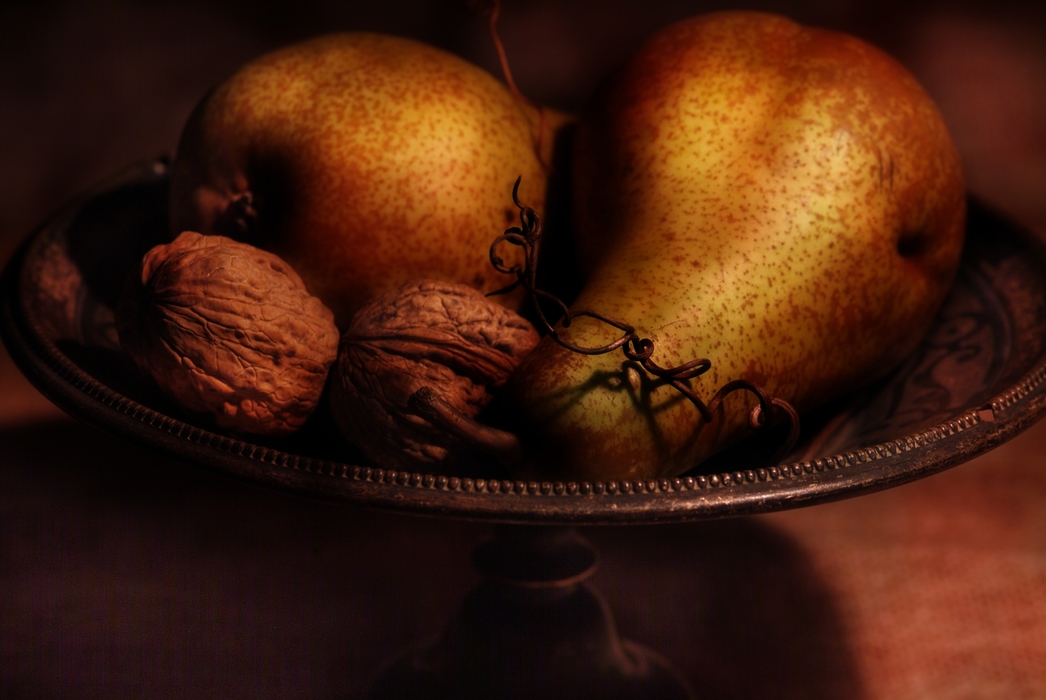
(492, 9)
(639, 350)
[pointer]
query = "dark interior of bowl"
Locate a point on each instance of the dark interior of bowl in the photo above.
(988, 343)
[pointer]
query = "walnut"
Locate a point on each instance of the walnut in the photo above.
(229, 330)
(444, 343)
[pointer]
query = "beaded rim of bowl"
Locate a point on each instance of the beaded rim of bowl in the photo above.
(652, 500)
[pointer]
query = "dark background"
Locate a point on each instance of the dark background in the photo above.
(122, 575)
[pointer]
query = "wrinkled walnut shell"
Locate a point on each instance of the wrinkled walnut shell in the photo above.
(446, 339)
(229, 330)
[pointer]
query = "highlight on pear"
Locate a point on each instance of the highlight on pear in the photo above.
(750, 218)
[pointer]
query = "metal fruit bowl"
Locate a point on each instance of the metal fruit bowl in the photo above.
(976, 381)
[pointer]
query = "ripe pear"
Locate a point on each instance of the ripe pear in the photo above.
(365, 161)
(782, 200)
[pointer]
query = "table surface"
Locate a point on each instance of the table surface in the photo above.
(124, 575)
(128, 575)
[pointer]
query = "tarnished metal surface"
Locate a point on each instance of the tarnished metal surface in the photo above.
(975, 382)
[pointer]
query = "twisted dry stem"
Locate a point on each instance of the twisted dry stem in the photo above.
(637, 349)
(491, 9)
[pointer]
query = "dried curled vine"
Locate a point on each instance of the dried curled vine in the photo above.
(635, 348)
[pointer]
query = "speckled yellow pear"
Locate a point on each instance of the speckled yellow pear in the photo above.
(784, 201)
(364, 160)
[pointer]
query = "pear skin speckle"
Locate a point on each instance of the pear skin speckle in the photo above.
(371, 160)
(784, 201)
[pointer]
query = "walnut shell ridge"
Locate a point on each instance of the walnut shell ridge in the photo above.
(229, 330)
(448, 337)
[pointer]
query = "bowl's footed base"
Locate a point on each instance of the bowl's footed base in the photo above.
(532, 631)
